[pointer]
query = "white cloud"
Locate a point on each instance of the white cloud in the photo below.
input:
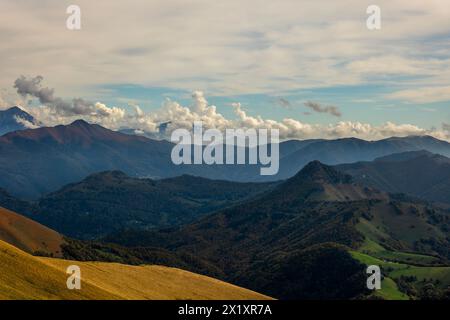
(27, 124)
(423, 95)
(200, 110)
(225, 47)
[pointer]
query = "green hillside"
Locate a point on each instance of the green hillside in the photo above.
(323, 217)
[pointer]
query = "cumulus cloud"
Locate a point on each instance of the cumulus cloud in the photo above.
(317, 107)
(27, 124)
(183, 117)
(9, 99)
(54, 110)
(33, 88)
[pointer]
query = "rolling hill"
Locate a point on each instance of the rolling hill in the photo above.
(418, 173)
(29, 235)
(109, 201)
(23, 276)
(36, 239)
(314, 228)
(312, 221)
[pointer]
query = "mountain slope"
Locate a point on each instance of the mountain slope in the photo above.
(37, 239)
(37, 161)
(348, 150)
(34, 162)
(14, 119)
(260, 243)
(418, 173)
(315, 216)
(28, 235)
(108, 201)
(23, 276)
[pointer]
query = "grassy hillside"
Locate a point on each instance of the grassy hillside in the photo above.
(406, 275)
(23, 276)
(405, 281)
(28, 235)
(257, 243)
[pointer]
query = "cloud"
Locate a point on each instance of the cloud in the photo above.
(389, 64)
(263, 47)
(32, 87)
(317, 107)
(200, 110)
(422, 95)
(4, 104)
(8, 99)
(27, 124)
(284, 103)
(55, 110)
(446, 127)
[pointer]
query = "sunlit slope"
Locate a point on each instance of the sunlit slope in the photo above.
(23, 276)
(28, 235)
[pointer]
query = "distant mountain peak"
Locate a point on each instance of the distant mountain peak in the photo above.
(18, 111)
(15, 109)
(321, 173)
(78, 132)
(15, 119)
(107, 175)
(320, 182)
(80, 123)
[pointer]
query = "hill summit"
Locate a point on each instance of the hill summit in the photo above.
(320, 182)
(321, 173)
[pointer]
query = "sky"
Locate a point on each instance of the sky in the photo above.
(309, 68)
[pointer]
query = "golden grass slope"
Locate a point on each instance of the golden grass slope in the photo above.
(28, 235)
(23, 276)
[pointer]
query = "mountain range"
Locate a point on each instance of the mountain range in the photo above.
(110, 201)
(38, 161)
(286, 240)
(418, 173)
(42, 160)
(310, 230)
(348, 150)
